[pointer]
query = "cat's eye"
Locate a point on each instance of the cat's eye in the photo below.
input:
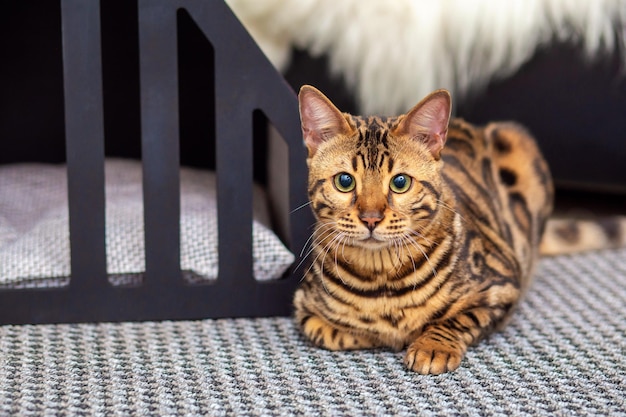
(344, 182)
(400, 183)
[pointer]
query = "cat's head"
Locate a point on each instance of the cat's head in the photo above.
(374, 181)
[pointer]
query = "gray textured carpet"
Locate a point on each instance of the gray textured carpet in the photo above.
(563, 354)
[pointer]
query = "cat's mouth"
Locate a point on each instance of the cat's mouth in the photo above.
(373, 241)
(374, 244)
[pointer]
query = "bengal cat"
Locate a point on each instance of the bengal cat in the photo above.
(417, 244)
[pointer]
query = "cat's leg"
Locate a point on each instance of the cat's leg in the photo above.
(441, 346)
(324, 335)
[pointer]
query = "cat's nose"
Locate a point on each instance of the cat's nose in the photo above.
(371, 219)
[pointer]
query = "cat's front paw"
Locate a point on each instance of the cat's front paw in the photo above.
(427, 356)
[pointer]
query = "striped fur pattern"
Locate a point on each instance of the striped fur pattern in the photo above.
(417, 245)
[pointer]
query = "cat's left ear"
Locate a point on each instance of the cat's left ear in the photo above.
(428, 121)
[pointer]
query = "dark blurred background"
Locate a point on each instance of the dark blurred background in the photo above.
(576, 109)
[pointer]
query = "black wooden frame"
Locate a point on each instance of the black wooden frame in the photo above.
(244, 82)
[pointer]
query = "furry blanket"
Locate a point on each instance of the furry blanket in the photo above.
(392, 53)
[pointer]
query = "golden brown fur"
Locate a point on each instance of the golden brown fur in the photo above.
(433, 266)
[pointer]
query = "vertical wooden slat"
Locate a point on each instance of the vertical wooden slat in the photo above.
(160, 136)
(234, 185)
(82, 76)
(234, 105)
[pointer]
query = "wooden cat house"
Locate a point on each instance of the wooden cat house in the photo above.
(246, 92)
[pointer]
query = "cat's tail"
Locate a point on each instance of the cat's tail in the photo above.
(571, 235)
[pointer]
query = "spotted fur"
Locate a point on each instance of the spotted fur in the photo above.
(434, 268)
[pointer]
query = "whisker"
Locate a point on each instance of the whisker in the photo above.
(342, 240)
(323, 226)
(343, 248)
(399, 250)
(314, 240)
(300, 207)
(396, 261)
(318, 240)
(417, 246)
(410, 255)
(327, 249)
(313, 262)
(421, 236)
(447, 207)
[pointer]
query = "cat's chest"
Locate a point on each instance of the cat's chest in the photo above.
(391, 311)
(389, 321)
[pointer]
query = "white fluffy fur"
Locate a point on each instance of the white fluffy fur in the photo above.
(392, 53)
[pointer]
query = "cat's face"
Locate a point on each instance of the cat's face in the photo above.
(373, 182)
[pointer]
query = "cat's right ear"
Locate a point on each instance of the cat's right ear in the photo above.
(321, 120)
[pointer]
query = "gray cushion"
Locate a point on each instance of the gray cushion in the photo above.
(34, 231)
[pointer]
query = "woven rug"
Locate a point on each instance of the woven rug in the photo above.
(563, 354)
